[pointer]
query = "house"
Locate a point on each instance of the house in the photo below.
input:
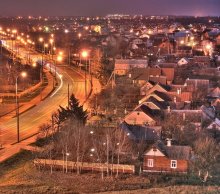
(169, 74)
(158, 79)
(183, 37)
(167, 158)
(123, 66)
(142, 115)
(195, 84)
(141, 75)
(163, 76)
(183, 61)
(201, 60)
(179, 96)
(184, 51)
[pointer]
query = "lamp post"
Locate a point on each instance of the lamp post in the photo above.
(1, 39)
(23, 74)
(85, 55)
(42, 61)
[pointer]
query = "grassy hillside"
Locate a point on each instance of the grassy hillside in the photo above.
(18, 175)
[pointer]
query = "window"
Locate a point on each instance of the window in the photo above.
(173, 164)
(150, 163)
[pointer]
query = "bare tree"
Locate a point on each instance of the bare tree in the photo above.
(206, 153)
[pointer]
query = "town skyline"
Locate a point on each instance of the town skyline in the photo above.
(101, 8)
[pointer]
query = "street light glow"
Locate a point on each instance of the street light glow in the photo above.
(84, 54)
(41, 39)
(208, 46)
(59, 58)
(23, 74)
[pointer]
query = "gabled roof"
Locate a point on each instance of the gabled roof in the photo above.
(139, 132)
(157, 90)
(215, 93)
(161, 105)
(173, 152)
(145, 109)
(163, 95)
(158, 87)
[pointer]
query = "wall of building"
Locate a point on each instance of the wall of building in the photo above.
(163, 164)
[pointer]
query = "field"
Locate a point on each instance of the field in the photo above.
(18, 175)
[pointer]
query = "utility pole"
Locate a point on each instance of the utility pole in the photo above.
(17, 109)
(85, 81)
(107, 151)
(41, 79)
(68, 92)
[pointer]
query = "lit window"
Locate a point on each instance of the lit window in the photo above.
(173, 164)
(150, 163)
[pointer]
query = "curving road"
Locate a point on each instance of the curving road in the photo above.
(41, 113)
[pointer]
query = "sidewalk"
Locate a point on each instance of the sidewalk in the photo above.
(26, 106)
(11, 150)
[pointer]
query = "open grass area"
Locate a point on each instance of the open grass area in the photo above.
(18, 175)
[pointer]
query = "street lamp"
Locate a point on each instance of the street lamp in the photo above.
(23, 74)
(85, 55)
(42, 62)
(51, 47)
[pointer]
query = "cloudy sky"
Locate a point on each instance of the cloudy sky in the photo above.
(103, 7)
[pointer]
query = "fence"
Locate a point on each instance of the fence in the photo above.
(83, 166)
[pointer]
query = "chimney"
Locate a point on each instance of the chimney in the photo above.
(169, 143)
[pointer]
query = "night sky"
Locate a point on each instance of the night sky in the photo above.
(103, 7)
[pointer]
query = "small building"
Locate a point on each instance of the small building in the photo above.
(184, 51)
(201, 60)
(168, 158)
(123, 66)
(195, 84)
